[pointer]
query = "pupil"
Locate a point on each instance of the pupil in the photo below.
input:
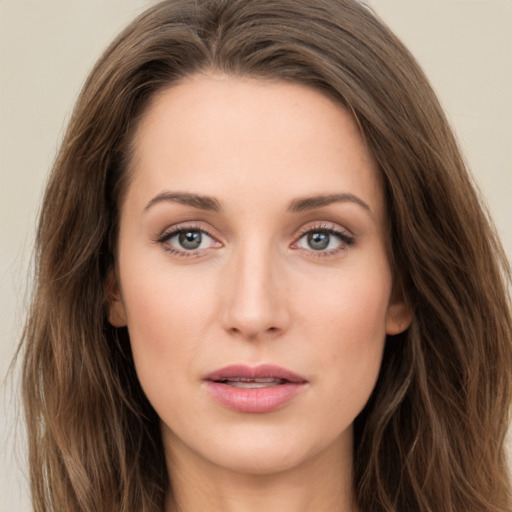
(190, 239)
(318, 241)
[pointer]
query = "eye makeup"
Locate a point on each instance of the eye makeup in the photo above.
(322, 239)
(193, 239)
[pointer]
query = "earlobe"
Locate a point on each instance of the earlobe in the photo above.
(399, 318)
(116, 313)
(399, 315)
(114, 302)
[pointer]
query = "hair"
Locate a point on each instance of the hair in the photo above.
(431, 437)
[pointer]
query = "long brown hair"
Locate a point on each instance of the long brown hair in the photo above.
(431, 438)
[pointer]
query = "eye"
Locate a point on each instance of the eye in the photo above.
(319, 240)
(187, 241)
(324, 240)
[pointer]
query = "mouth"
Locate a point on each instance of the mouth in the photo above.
(241, 382)
(259, 389)
(268, 374)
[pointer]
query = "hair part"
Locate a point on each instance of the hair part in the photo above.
(432, 435)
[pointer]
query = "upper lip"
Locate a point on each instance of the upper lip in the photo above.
(263, 371)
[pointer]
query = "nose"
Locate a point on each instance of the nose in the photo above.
(255, 300)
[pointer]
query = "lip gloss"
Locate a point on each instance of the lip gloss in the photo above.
(260, 389)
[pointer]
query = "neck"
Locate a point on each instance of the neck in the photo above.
(323, 484)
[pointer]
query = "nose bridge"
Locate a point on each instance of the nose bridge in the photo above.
(254, 305)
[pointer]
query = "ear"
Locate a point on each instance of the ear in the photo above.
(399, 315)
(113, 300)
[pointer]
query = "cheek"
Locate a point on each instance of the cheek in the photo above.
(345, 324)
(350, 305)
(168, 315)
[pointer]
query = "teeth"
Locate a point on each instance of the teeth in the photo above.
(242, 382)
(244, 379)
(251, 385)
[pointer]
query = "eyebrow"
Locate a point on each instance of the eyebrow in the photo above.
(297, 205)
(312, 202)
(187, 199)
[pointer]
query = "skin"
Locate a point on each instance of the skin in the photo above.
(255, 291)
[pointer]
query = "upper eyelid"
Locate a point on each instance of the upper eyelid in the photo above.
(322, 226)
(345, 236)
(173, 230)
(328, 226)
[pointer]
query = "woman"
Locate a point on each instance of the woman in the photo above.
(264, 278)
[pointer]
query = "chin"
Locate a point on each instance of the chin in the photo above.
(269, 458)
(264, 449)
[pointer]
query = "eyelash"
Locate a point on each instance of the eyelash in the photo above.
(345, 238)
(166, 236)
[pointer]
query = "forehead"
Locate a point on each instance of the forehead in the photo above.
(214, 134)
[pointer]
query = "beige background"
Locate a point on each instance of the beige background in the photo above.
(47, 48)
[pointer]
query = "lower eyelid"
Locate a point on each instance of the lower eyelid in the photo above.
(345, 240)
(163, 240)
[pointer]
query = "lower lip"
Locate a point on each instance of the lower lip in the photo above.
(256, 399)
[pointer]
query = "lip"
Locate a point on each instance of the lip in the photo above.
(254, 400)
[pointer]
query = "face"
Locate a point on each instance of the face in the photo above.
(252, 271)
